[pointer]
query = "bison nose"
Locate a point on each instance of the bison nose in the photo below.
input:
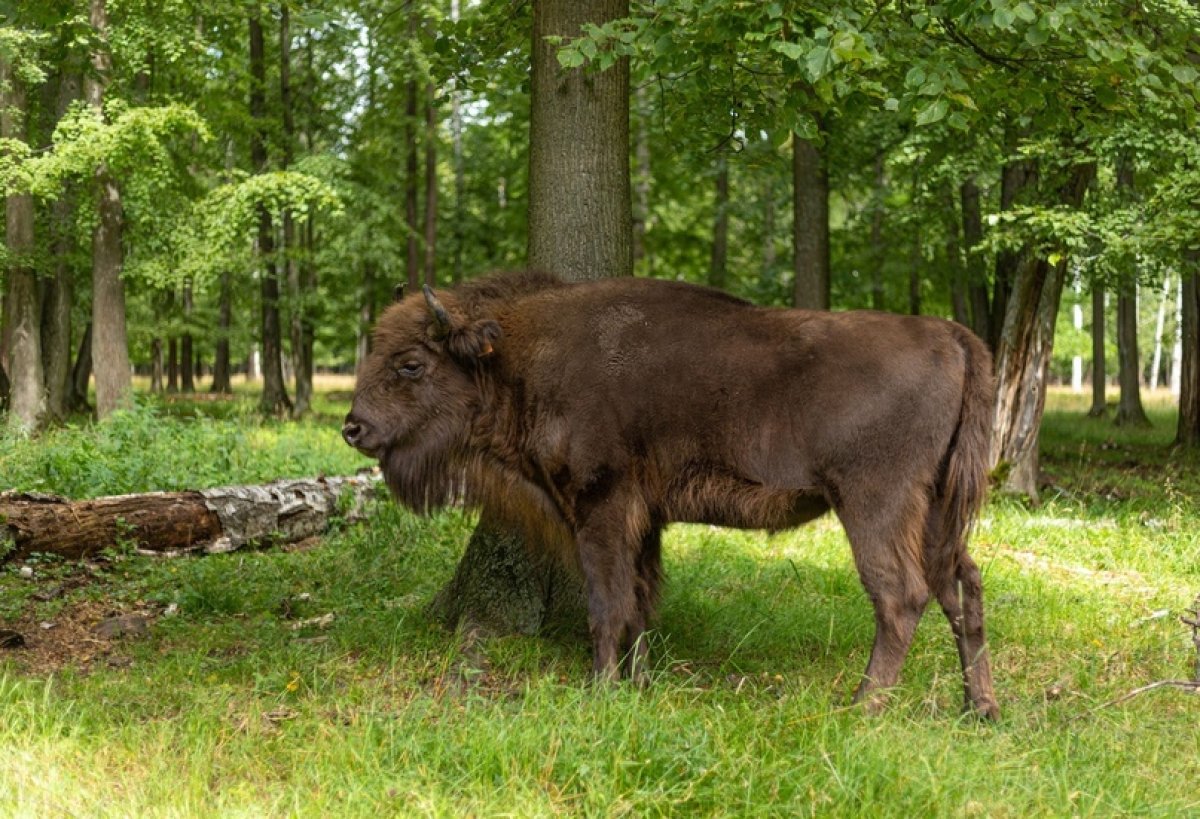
(352, 431)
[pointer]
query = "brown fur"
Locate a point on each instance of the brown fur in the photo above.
(591, 415)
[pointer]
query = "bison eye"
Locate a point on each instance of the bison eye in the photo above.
(411, 369)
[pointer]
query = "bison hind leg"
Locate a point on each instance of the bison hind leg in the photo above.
(647, 581)
(885, 535)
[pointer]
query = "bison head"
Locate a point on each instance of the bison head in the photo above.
(418, 394)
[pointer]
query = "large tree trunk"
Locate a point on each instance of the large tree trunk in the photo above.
(110, 347)
(977, 288)
(23, 309)
(810, 226)
(580, 214)
(1099, 377)
(1187, 433)
(1023, 354)
(81, 373)
(579, 227)
(1017, 177)
(274, 400)
(211, 520)
(719, 258)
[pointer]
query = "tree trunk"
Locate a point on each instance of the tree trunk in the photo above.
(211, 520)
(156, 365)
(1099, 377)
(59, 294)
(580, 213)
(579, 227)
(110, 346)
(1187, 433)
(810, 227)
(878, 250)
(81, 373)
(719, 259)
(959, 284)
(172, 365)
(641, 179)
(298, 298)
(1018, 176)
(412, 266)
(366, 317)
(222, 370)
(186, 355)
(1023, 355)
(1129, 371)
(23, 309)
(431, 187)
(1159, 325)
(977, 287)
(274, 400)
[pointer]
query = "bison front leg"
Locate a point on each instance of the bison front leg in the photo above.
(610, 546)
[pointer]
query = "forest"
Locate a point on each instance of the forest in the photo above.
(209, 203)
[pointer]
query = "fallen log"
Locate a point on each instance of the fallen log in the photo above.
(169, 523)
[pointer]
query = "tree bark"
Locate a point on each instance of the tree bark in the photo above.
(23, 309)
(222, 371)
(1017, 177)
(1155, 373)
(810, 227)
(460, 180)
(580, 211)
(110, 346)
(1187, 433)
(274, 400)
(977, 288)
(1099, 377)
(1023, 355)
(959, 284)
(81, 373)
(156, 365)
(580, 226)
(211, 520)
(641, 179)
(718, 266)
(172, 365)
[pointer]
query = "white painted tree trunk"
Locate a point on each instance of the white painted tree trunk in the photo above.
(1156, 360)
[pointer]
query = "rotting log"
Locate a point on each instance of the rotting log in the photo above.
(171, 523)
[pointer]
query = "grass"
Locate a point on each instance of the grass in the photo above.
(225, 708)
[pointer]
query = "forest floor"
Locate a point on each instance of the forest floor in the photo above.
(310, 682)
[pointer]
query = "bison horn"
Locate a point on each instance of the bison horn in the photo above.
(440, 316)
(398, 292)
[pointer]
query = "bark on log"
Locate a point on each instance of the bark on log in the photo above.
(170, 523)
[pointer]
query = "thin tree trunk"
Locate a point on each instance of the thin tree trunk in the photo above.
(222, 371)
(878, 250)
(1129, 366)
(460, 184)
(1017, 176)
(977, 288)
(186, 356)
(412, 265)
(1156, 361)
(27, 397)
(274, 400)
(1099, 377)
(366, 317)
(810, 227)
(719, 258)
(1023, 355)
(59, 294)
(81, 373)
(431, 187)
(959, 284)
(172, 365)
(641, 178)
(1187, 433)
(110, 346)
(156, 365)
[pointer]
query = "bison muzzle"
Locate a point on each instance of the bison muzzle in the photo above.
(591, 415)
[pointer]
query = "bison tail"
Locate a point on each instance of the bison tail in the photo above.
(964, 478)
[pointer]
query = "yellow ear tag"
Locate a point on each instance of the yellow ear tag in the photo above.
(487, 349)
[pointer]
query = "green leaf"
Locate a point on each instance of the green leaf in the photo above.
(1184, 74)
(793, 51)
(1025, 12)
(1037, 36)
(933, 112)
(818, 63)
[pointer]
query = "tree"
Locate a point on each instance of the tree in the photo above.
(1129, 409)
(1188, 432)
(110, 346)
(580, 226)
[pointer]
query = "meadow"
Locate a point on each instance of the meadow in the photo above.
(245, 698)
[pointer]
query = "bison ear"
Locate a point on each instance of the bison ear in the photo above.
(474, 341)
(398, 292)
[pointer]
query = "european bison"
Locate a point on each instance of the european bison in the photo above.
(591, 415)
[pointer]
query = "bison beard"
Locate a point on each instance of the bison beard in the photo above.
(588, 416)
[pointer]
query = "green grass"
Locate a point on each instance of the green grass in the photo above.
(224, 709)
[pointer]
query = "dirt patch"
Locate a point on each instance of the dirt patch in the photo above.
(73, 638)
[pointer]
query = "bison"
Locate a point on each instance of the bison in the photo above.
(590, 415)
